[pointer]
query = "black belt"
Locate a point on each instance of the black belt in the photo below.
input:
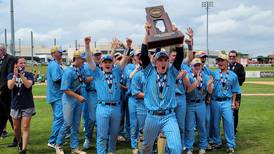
(108, 103)
(178, 94)
(220, 99)
(197, 100)
(161, 112)
(90, 90)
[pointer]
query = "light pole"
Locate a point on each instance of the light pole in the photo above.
(31, 42)
(12, 46)
(54, 42)
(76, 45)
(6, 42)
(207, 5)
(20, 50)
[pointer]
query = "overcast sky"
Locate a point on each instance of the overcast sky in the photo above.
(244, 25)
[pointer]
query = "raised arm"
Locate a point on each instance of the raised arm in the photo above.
(124, 61)
(189, 43)
(144, 50)
(89, 55)
(134, 71)
(180, 53)
(114, 46)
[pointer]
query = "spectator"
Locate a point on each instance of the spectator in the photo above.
(239, 70)
(22, 105)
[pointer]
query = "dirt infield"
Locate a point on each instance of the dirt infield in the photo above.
(261, 82)
(257, 94)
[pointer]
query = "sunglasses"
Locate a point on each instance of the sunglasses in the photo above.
(232, 56)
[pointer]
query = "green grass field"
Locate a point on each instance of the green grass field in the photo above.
(250, 88)
(252, 68)
(255, 136)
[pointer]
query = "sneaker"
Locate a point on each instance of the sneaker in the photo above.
(121, 139)
(86, 144)
(4, 134)
(135, 151)
(209, 147)
(230, 151)
(13, 144)
(77, 151)
(189, 152)
(20, 145)
(23, 151)
(67, 136)
(217, 146)
(202, 151)
(59, 150)
(51, 145)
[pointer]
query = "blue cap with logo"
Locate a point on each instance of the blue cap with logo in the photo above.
(107, 57)
(161, 54)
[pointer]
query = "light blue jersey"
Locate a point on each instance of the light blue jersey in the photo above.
(88, 73)
(153, 99)
(126, 73)
(185, 67)
(137, 83)
(206, 70)
(70, 81)
(104, 93)
(55, 72)
(225, 84)
(200, 92)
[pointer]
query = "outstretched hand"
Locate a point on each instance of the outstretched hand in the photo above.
(189, 32)
(87, 40)
(129, 42)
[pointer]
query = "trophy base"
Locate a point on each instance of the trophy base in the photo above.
(165, 39)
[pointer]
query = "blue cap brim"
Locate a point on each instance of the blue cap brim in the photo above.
(61, 51)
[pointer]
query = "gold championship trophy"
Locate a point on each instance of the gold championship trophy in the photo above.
(160, 33)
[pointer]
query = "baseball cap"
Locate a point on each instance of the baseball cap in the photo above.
(200, 54)
(196, 61)
(97, 51)
(83, 55)
(161, 54)
(56, 49)
(106, 57)
(222, 56)
(77, 53)
(136, 52)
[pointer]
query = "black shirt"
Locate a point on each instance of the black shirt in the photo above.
(239, 70)
(21, 97)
